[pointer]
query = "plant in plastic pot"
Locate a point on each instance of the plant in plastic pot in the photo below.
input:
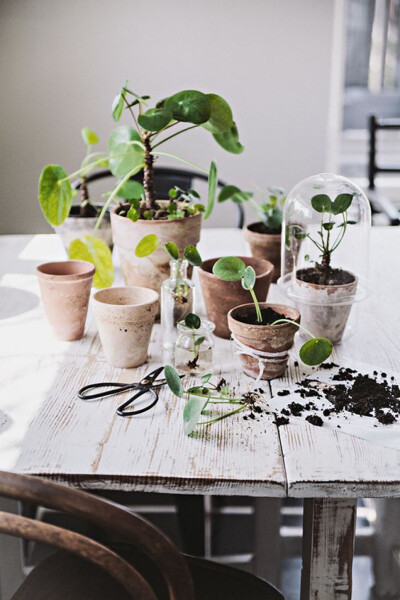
(132, 149)
(264, 235)
(329, 251)
(264, 333)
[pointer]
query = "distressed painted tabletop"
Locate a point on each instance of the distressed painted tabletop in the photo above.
(45, 429)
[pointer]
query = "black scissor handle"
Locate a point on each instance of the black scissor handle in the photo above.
(129, 413)
(118, 388)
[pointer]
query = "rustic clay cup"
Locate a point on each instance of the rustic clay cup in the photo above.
(152, 270)
(220, 296)
(125, 318)
(65, 289)
(265, 245)
(264, 338)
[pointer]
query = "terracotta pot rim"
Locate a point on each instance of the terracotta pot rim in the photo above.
(269, 267)
(153, 297)
(271, 236)
(86, 271)
(275, 307)
(152, 222)
(319, 286)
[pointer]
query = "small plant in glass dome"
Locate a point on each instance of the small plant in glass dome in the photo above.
(177, 292)
(194, 345)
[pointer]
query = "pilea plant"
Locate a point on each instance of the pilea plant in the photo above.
(269, 210)
(132, 149)
(200, 396)
(327, 242)
(193, 322)
(149, 244)
(314, 351)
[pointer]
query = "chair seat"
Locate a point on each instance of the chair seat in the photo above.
(63, 576)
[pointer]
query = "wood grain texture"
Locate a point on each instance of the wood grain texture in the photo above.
(328, 546)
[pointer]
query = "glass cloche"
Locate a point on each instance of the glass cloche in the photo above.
(325, 251)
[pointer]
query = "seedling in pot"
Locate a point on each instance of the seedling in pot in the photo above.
(193, 322)
(269, 211)
(149, 244)
(199, 397)
(314, 351)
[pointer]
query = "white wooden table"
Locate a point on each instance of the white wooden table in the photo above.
(45, 430)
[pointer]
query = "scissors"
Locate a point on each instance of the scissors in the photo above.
(148, 385)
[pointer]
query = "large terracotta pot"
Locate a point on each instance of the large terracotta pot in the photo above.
(65, 289)
(77, 227)
(220, 296)
(154, 269)
(125, 318)
(326, 308)
(271, 339)
(265, 245)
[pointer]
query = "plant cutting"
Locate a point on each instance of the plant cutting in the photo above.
(264, 235)
(131, 150)
(194, 345)
(264, 333)
(207, 395)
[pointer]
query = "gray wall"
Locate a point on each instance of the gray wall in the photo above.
(278, 62)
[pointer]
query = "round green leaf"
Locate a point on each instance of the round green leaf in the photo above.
(227, 192)
(126, 150)
(328, 226)
(191, 413)
(321, 203)
(55, 195)
(229, 268)
(173, 381)
(192, 256)
(341, 203)
(315, 351)
(189, 106)
(229, 140)
(193, 321)
(172, 250)
(98, 253)
(131, 190)
(155, 119)
(147, 245)
(221, 119)
(89, 137)
(212, 189)
(249, 278)
(118, 104)
(133, 214)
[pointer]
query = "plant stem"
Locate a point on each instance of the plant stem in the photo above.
(148, 175)
(256, 304)
(133, 115)
(186, 162)
(229, 414)
(293, 323)
(174, 135)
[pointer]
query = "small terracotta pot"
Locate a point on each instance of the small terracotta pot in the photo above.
(264, 338)
(266, 246)
(220, 296)
(326, 308)
(77, 227)
(154, 269)
(65, 289)
(125, 318)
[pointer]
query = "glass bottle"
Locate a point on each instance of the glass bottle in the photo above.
(194, 348)
(177, 295)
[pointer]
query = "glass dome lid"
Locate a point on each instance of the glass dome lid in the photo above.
(325, 249)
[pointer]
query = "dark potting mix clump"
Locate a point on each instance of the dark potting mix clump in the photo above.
(364, 395)
(269, 315)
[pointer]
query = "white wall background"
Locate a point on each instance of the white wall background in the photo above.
(278, 63)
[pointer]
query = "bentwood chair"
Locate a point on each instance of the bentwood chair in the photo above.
(149, 568)
(164, 179)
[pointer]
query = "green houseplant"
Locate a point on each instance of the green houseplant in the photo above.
(132, 149)
(263, 235)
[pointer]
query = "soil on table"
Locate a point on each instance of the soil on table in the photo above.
(269, 315)
(318, 276)
(261, 228)
(159, 214)
(365, 395)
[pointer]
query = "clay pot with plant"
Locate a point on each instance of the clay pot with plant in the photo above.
(220, 295)
(324, 294)
(264, 235)
(131, 150)
(264, 333)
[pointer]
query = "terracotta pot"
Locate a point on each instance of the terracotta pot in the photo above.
(220, 296)
(125, 318)
(326, 308)
(154, 269)
(77, 227)
(264, 338)
(265, 245)
(65, 289)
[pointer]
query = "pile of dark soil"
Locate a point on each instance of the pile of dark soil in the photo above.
(359, 394)
(261, 228)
